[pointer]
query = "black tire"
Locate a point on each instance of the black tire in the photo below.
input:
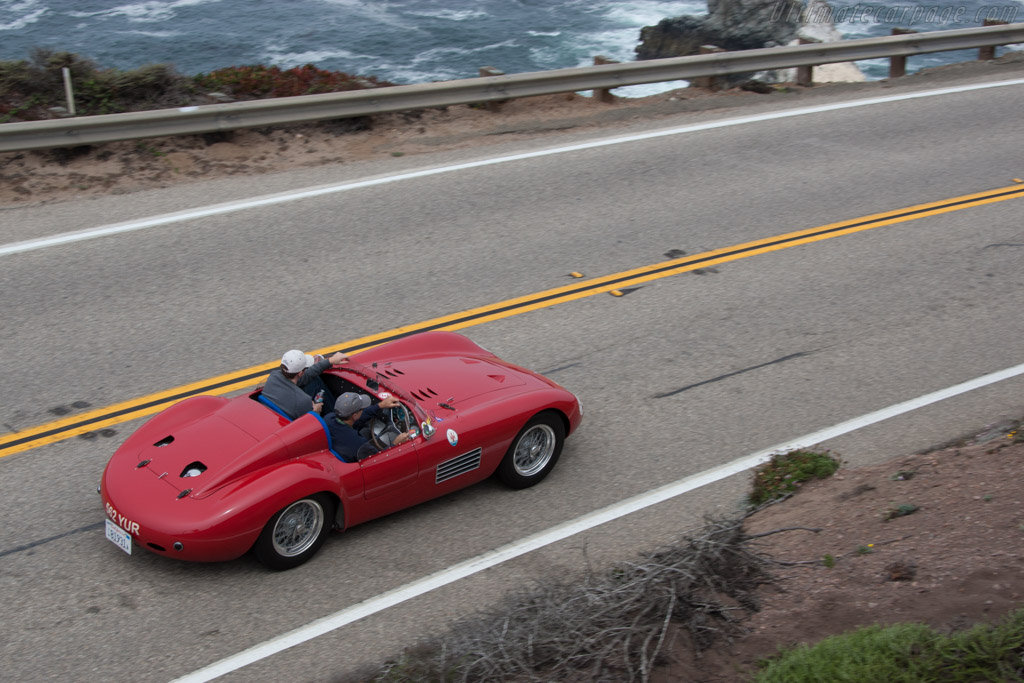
(533, 452)
(296, 532)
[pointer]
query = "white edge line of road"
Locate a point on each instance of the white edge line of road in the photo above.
(269, 200)
(570, 528)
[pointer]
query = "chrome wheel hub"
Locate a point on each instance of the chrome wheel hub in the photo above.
(298, 527)
(534, 450)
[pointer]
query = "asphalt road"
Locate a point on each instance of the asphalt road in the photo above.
(676, 376)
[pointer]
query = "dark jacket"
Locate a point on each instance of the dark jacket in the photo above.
(347, 441)
(287, 396)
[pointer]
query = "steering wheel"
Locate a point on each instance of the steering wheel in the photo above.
(388, 424)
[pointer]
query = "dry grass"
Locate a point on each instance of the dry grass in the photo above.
(610, 626)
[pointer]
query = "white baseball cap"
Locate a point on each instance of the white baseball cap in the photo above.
(296, 360)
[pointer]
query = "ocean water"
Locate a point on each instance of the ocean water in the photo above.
(408, 41)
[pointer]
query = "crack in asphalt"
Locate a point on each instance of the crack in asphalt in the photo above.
(34, 544)
(733, 374)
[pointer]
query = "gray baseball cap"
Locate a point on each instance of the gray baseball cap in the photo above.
(350, 403)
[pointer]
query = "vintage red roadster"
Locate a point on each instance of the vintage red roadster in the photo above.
(212, 478)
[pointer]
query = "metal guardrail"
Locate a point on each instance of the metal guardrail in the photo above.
(220, 117)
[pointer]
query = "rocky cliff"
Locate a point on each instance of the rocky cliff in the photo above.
(729, 24)
(747, 25)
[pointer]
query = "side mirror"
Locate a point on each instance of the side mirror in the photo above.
(427, 430)
(372, 384)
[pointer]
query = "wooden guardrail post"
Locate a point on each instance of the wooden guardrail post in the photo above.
(708, 82)
(989, 51)
(898, 63)
(492, 105)
(805, 74)
(603, 94)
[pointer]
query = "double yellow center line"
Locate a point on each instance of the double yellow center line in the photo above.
(147, 405)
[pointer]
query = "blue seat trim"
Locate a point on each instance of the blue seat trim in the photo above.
(330, 441)
(273, 406)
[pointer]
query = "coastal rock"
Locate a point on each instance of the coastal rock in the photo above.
(729, 24)
(748, 25)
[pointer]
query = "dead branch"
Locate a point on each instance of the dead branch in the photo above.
(780, 530)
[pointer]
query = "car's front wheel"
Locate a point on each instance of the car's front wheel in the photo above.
(533, 452)
(296, 532)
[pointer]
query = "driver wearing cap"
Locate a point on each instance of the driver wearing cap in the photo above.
(352, 412)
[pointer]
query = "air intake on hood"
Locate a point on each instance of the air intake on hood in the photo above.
(193, 469)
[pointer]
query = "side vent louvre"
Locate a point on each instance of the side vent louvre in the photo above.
(466, 462)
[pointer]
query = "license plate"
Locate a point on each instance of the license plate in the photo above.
(119, 537)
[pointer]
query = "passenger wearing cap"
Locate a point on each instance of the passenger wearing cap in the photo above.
(352, 412)
(284, 386)
(313, 383)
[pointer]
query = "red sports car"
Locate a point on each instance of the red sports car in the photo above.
(212, 478)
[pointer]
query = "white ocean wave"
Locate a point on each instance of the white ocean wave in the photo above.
(153, 34)
(643, 90)
(547, 57)
(149, 11)
(403, 74)
(450, 14)
(544, 33)
(23, 21)
(617, 44)
(288, 60)
(444, 54)
(649, 12)
(380, 13)
(648, 89)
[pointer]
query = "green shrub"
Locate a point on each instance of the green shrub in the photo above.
(785, 472)
(258, 81)
(902, 510)
(894, 654)
(905, 653)
(30, 88)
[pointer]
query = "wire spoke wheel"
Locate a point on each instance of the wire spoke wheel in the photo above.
(296, 532)
(534, 449)
(298, 527)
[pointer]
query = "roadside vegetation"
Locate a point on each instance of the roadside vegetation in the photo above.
(785, 472)
(906, 653)
(612, 626)
(618, 624)
(33, 89)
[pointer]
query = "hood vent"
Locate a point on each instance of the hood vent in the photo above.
(424, 394)
(164, 441)
(466, 462)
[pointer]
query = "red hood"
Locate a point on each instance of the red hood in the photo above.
(457, 380)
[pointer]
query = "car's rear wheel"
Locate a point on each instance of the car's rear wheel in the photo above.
(296, 532)
(533, 452)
